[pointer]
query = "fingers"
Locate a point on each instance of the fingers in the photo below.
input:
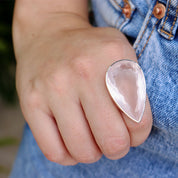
(74, 129)
(114, 132)
(46, 132)
(105, 122)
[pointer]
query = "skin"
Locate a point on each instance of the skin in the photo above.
(60, 79)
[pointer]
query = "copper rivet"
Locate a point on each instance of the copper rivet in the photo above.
(159, 11)
(127, 10)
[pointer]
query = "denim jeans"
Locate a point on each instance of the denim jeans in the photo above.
(156, 44)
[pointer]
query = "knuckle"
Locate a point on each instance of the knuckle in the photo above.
(121, 49)
(32, 100)
(83, 68)
(30, 96)
(114, 46)
(113, 147)
(56, 82)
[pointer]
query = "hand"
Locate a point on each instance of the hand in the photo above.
(63, 96)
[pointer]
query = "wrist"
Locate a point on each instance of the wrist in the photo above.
(28, 17)
(31, 23)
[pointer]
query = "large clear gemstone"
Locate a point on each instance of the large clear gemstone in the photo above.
(126, 84)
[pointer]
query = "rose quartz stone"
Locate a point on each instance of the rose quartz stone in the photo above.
(126, 84)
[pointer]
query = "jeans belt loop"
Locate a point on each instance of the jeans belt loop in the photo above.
(169, 22)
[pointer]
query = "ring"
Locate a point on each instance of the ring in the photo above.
(126, 84)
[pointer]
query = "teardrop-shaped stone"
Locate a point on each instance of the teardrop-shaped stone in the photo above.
(126, 84)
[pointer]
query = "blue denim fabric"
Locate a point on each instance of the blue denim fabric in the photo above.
(156, 46)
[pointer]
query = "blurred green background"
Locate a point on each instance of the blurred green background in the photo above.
(7, 59)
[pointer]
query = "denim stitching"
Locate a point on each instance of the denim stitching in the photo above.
(175, 18)
(143, 32)
(117, 4)
(170, 35)
(148, 39)
(166, 15)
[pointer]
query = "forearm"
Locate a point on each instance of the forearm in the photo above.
(42, 17)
